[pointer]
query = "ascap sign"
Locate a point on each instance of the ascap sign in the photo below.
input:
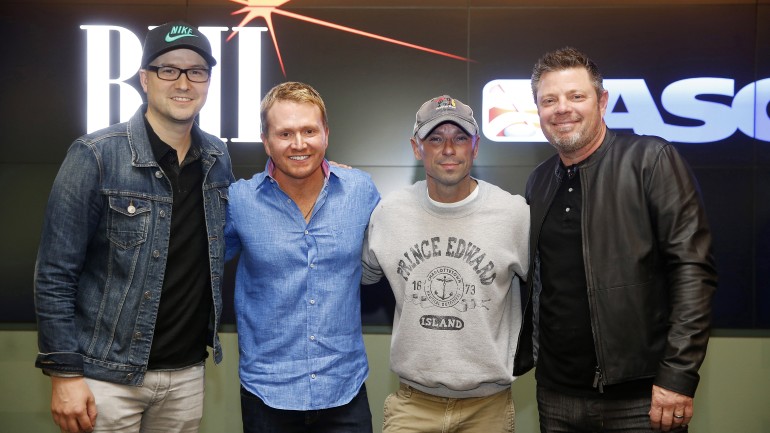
(509, 112)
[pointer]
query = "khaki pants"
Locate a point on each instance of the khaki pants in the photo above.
(411, 411)
(169, 401)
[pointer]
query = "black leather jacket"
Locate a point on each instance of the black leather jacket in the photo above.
(649, 268)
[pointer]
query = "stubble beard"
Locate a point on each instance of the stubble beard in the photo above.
(569, 144)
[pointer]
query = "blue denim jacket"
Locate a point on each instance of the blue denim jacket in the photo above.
(103, 250)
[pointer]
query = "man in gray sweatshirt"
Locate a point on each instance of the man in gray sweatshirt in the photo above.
(454, 250)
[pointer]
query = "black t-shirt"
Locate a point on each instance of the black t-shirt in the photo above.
(566, 357)
(181, 328)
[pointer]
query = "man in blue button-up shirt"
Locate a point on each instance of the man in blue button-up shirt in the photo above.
(299, 229)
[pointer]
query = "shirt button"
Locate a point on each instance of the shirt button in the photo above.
(312, 266)
(147, 295)
(312, 302)
(137, 335)
(158, 174)
(567, 209)
(570, 190)
(312, 338)
(312, 376)
(156, 254)
(307, 232)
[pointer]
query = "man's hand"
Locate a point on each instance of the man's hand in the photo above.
(72, 404)
(669, 410)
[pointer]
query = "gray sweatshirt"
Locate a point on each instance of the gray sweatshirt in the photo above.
(455, 274)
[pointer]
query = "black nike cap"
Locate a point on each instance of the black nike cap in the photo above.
(173, 36)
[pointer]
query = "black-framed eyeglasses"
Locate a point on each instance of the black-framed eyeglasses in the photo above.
(170, 73)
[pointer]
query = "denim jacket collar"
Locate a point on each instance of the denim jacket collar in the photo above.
(141, 150)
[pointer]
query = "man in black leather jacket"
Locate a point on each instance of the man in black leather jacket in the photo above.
(619, 303)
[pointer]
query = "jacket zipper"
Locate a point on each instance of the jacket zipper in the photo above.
(598, 374)
(598, 380)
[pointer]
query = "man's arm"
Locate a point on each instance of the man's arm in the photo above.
(232, 240)
(372, 271)
(684, 240)
(520, 242)
(72, 216)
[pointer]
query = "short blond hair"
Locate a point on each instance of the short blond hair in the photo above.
(291, 91)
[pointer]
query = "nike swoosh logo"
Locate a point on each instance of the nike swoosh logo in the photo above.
(170, 38)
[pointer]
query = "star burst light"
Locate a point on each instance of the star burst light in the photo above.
(265, 8)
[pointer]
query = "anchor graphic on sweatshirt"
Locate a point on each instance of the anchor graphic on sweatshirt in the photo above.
(451, 290)
(443, 296)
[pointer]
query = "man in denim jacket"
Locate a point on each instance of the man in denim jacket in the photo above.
(127, 279)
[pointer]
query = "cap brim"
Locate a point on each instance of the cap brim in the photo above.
(206, 56)
(429, 126)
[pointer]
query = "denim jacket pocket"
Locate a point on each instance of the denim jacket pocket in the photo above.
(129, 219)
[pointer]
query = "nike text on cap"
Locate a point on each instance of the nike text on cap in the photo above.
(173, 36)
(442, 109)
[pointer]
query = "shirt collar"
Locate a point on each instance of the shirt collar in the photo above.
(161, 150)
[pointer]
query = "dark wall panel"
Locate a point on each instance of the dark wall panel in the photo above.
(373, 88)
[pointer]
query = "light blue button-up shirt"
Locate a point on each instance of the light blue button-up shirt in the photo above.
(297, 289)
